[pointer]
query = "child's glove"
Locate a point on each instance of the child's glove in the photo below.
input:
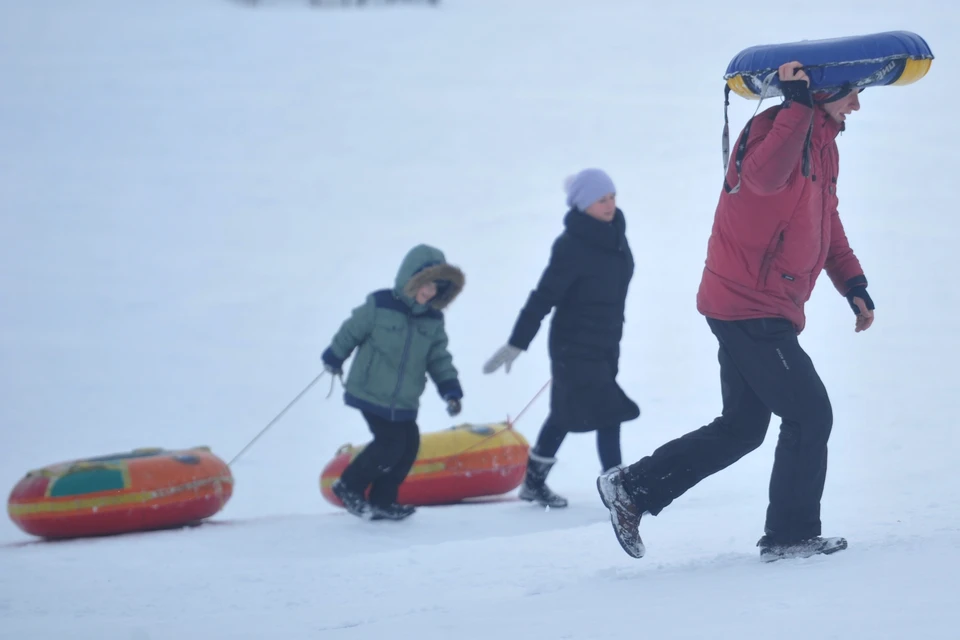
(334, 371)
(453, 407)
(331, 363)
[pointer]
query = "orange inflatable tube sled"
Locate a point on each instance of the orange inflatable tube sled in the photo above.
(462, 462)
(137, 491)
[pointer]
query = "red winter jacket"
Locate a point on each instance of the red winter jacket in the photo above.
(773, 236)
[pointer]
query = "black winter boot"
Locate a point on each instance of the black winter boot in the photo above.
(391, 512)
(535, 487)
(771, 550)
(625, 514)
(353, 501)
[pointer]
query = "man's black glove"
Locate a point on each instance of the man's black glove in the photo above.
(797, 91)
(859, 291)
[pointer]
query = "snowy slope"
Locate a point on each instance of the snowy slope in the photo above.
(194, 194)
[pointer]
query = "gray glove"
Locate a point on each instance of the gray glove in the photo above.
(505, 355)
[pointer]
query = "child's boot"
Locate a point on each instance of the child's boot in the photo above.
(353, 501)
(391, 512)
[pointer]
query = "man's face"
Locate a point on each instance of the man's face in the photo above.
(840, 109)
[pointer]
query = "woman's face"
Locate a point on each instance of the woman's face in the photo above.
(604, 208)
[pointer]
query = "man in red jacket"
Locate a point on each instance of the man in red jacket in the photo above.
(776, 228)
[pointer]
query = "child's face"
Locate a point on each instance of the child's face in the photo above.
(426, 293)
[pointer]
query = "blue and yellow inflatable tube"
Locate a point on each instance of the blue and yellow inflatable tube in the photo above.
(836, 64)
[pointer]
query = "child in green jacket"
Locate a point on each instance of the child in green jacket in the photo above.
(400, 338)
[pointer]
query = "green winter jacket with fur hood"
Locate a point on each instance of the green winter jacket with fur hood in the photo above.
(399, 342)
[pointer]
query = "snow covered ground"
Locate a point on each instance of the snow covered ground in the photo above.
(195, 193)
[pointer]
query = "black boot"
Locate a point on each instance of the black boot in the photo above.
(625, 514)
(353, 501)
(391, 512)
(771, 550)
(535, 487)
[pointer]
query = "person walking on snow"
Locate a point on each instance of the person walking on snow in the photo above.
(586, 281)
(776, 227)
(400, 337)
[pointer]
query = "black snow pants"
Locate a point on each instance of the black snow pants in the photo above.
(385, 462)
(763, 371)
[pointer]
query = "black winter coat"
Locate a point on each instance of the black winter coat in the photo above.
(586, 280)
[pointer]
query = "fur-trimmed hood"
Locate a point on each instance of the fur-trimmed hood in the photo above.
(424, 264)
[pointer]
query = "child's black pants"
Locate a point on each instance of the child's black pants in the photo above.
(385, 462)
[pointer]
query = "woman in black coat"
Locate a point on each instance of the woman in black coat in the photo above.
(586, 281)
